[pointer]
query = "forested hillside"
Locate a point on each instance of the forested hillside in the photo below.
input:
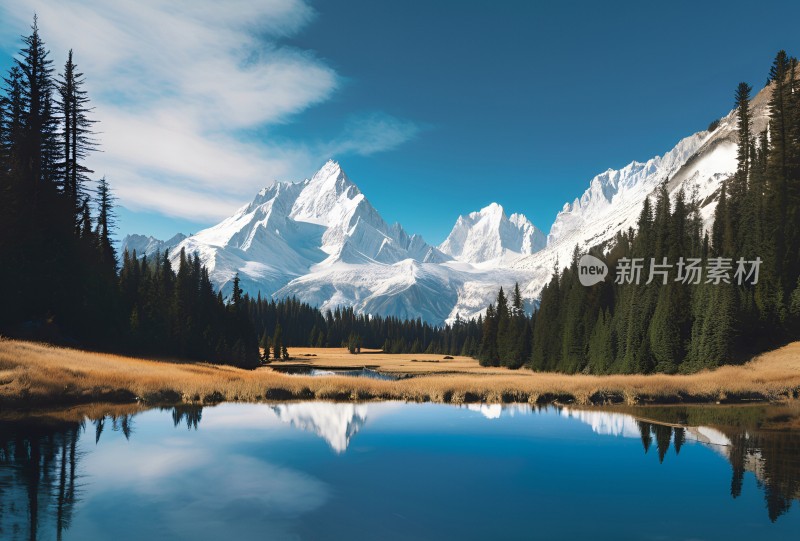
(745, 299)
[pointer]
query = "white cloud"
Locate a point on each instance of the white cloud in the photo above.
(376, 132)
(175, 84)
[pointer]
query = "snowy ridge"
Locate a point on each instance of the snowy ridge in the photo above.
(149, 246)
(697, 164)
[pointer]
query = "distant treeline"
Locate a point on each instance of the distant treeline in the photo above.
(680, 326)
(299, 324)
(58, 269)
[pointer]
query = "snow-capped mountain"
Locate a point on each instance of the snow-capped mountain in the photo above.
(320, 240)
(490, 236)
(292, 229)
(323, 242)
(149, 246)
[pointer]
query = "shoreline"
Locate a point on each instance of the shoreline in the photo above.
(764, 418)
(35, 375)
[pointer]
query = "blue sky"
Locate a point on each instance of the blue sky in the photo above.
(434, 109)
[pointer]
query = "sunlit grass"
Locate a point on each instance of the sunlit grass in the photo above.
(34, 373)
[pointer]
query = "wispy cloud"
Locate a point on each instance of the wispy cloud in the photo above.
(176, 84)
(371, 133)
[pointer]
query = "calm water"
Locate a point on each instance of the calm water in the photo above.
(318, 372)
(389, 471)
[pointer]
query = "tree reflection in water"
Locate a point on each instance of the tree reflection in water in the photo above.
(772, 456)
(38, 477)
(189, 414)
(39, 463)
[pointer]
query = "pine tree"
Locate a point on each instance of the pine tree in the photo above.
(777, 161)
(721, 230)
(572, 346)
(515, 341)
(517, 303)
(9, 125)
(744, 135)
(236, 293)
(489, 355)
(105, 225)
(38, 139)
(277, 342)
(738, 184)
(505, 338)
(267, 350)
(644, 224)
(545, 350)
(13, 105)
(600, 353)
(76, 134)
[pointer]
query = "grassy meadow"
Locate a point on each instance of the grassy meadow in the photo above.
(35, 374)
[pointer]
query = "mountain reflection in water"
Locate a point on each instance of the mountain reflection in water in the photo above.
(41, 483)
(336, 423)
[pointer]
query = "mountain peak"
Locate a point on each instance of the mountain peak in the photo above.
(331, 167)
(331, 171)
(489, 234)
(492, 209)
(327, 197)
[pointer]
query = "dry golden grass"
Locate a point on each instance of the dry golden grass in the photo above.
(402, 363)
(32, 374)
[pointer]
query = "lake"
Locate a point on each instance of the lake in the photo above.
(323, 372)
(386, 471)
